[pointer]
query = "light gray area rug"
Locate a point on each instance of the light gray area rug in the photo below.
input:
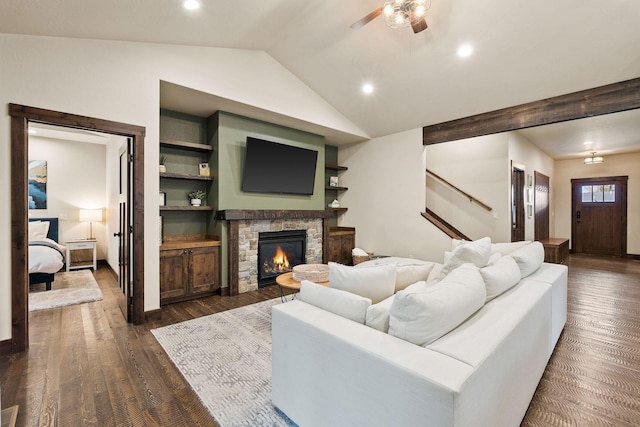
(226, 359)
(68, 288)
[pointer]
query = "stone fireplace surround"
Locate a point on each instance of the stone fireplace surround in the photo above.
(244, 227)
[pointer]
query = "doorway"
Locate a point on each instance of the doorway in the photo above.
(20, 118)
(517, 204)
(599, 216)
(541, 206)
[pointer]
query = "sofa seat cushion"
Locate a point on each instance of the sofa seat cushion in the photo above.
(500, 276)
(408, 270)
(425, 314)
(342, 303)
(375, 282)
(480, 335)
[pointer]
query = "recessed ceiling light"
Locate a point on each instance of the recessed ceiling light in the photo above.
(367, 88)
(191, 4)
(588, 142)
(465, 50)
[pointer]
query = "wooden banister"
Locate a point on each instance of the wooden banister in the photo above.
(465, 194)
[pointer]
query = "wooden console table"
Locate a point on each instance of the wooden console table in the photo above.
(556, 250)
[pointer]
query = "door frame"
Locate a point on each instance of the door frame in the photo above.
(20, 117)
(623, 182)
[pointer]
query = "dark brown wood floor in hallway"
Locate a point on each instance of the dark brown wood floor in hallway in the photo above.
(86, 367)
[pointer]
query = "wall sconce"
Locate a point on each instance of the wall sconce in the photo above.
(593, 159)
(90, 216)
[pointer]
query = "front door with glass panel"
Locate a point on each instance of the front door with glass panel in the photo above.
(599, 209)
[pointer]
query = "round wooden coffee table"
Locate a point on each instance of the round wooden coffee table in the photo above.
(286, 281)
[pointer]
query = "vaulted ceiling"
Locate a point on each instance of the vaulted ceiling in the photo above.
(522, 51)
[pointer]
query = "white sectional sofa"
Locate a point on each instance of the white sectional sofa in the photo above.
(333, 370)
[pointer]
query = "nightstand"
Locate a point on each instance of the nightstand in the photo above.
(73, 245)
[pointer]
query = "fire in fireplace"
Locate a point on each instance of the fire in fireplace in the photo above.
(279, 252)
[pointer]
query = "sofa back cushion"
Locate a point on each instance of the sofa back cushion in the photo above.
(408, 270)
(342, 303)
(423, 315)
(376, 282)
(499, 276)
(477, 252)
(529, 258)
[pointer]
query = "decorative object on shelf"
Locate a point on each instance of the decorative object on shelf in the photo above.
(197, 197)
(333, 181)
(334, 204)
(163, 198)
(163, 160)
(593, 159)
(313, 272)
(359, 255)
(90, 216)
(203, 169)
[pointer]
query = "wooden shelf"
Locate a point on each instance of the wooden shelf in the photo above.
(172, 143)
(185, 176)
(334, 188)
(186, 208)
(336, 168)
(337, 209)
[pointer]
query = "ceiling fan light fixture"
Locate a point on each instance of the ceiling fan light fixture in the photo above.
(593, 159)
(402, 13)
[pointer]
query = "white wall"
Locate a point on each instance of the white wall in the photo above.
(120, 81)
(75, 180)
(614, 165)
(530, 158)
(479, 166)
(386, 181)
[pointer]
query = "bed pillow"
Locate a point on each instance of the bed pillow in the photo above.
(345, 304)
(376, 282)
(500, 276)
(529, 258)
(38, 230)
(423, 315)
(477, 252)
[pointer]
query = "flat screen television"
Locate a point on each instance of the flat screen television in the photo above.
(270, 167)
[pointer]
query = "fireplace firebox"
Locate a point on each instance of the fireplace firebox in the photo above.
(278, 253)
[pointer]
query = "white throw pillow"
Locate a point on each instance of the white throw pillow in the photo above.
(378, 314)
(38, 230)
(477, 252)
(409, 274)
(375, 283)
(421, 316)
(507, 248)
(345, 304)
(529, 258)
(499, 276)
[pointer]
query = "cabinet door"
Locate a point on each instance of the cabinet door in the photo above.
(203, 269)
(173, 274)
(340, 247)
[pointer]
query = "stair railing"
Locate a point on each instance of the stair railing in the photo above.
(464, 193)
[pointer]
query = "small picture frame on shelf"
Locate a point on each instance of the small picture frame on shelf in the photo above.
(203, 169)
(163, 198)
(333, 181)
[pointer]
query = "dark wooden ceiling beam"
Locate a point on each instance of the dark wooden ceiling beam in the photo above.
(612, 98)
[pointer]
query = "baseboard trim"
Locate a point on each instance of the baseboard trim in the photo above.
(225, 291)
(153, 315)
(5, 347)
(633, 256)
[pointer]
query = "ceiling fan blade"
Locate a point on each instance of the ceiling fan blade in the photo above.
(419, 25)
(370, 17)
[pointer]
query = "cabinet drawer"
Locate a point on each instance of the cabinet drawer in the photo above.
(81, 245)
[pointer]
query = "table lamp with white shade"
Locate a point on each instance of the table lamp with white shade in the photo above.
(90, 216)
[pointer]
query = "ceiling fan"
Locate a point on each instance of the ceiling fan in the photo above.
(398, 14)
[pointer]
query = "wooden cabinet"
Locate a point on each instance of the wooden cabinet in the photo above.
(189, 270)
(556, 250)
(342, 240)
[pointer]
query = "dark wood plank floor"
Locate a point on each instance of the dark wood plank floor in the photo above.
(86, 367)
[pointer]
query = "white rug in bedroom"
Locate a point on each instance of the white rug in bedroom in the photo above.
(74, 287)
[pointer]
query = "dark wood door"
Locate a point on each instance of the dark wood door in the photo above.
(124, 234)
(599, 223)
(541, 206)
(517, 205)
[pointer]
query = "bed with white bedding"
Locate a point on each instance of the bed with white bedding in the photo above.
(46, 256)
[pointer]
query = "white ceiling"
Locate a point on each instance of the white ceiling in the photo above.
(523, 51)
